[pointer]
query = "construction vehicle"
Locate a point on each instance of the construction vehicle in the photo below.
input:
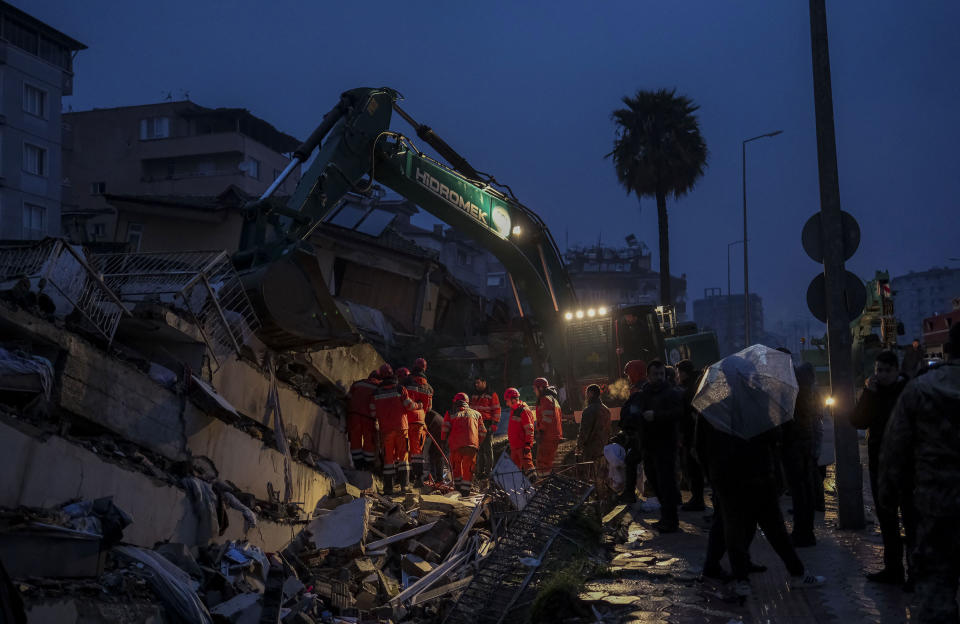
(356, 150)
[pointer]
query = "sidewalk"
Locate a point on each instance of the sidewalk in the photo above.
(655, 576)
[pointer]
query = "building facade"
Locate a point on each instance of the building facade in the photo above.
(132, 167)
(923, 294)
(724, 315)
(36, 71)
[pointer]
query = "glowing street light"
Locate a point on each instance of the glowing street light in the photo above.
(830, 401)
(601, 310)
(568, 316)
(579, 314)
(591, 313)
(516, 230)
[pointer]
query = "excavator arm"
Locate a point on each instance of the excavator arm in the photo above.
(360, 149)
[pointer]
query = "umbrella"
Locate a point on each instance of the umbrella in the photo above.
(748, 393)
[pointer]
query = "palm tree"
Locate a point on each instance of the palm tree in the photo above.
(658, 150)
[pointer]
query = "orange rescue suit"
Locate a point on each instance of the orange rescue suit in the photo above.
(488, 404)
(389, 406)
(520, 435)
(361, 426)
(465, 431)
(551, 431)
(421, 393)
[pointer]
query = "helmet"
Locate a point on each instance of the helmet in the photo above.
(385, 371)
(511, 393)
(635, 370)
(403, 371)
(374, 374)
(540, 382)
(420, 364)
(461, 396)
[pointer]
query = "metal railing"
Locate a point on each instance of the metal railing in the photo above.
(202, 283)
(53, 262)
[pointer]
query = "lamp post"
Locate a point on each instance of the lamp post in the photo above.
(729, 245)
(746, 274)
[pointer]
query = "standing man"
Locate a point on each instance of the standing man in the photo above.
(631, 424)
(912, 360)
(548, 424)
(921, 453)
(465, 431)
(799, 454)
(593, 434)
(520, 431)
(361, 426)
(488, 404)
(662, 407)
(421, 393)
(872, 413)
(688, 377)
(389, 406)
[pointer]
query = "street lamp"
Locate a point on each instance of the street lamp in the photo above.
(729, 245)
(746, 275)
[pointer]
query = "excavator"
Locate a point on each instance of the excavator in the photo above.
(357, 149)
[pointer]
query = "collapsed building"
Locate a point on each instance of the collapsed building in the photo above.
(162, 464)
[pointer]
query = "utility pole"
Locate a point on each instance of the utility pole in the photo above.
(839, 341)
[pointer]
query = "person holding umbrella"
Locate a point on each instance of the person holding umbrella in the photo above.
(744, 399)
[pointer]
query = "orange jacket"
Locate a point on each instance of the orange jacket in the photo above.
(520, 429)
(361, 393)
(420, 392)
(548, 418)
(463, 428)
(488, 404)
(390, 405)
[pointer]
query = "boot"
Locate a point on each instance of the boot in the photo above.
(388, 484)
(360, 464)
(418, 475)
(405, 482)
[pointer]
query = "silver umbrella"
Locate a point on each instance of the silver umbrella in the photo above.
(748, 393)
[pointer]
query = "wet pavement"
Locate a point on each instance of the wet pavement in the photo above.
(654, 577)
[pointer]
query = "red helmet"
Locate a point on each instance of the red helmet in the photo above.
(461, 396)
(403, 371)
(540, 382)
(420, 364)
(374, 375)
(635, 370)
(511, 393)
(385, 371)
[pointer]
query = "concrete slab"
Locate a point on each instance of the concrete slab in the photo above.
(343, 527)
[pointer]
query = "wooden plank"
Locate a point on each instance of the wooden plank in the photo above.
(399, 537)
(443, 590)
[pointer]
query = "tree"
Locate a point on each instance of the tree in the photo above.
(658, 151)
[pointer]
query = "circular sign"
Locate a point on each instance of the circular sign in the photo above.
(812, 237)
(854, 296)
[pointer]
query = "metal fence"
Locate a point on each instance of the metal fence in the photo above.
(55, 263)
(201, 283)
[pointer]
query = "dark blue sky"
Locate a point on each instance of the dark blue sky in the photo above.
(525, 89)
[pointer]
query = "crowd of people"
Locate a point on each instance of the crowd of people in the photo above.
(391, 416)
(911, 415)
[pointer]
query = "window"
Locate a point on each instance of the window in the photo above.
(135, 235)
(154, 128)
(33, 217)
(34, 100)
(496, 280)
(34, 159)
(98, 188)
(462, 258)
(253, 168)
(98, 231)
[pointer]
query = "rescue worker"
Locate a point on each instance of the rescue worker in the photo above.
(361, 427)
(921, 454)
(465, 433)
(520, 431)
(420, 392)
(593, 435)
(631, 424)
(389, 406)
(872, 412)
(661, 406)
(798, 445)
(549, 427)
(488, 404)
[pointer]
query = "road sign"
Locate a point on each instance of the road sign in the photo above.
(811, 236)
(854, 294)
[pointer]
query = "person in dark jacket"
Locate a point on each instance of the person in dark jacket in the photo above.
(688, 377)
(662, 408)
(912, 360)
(872, 413)
(631, 425)
(799, 455)
(593, 435)
(920, 453)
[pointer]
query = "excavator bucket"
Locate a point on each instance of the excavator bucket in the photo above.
(294, 304)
